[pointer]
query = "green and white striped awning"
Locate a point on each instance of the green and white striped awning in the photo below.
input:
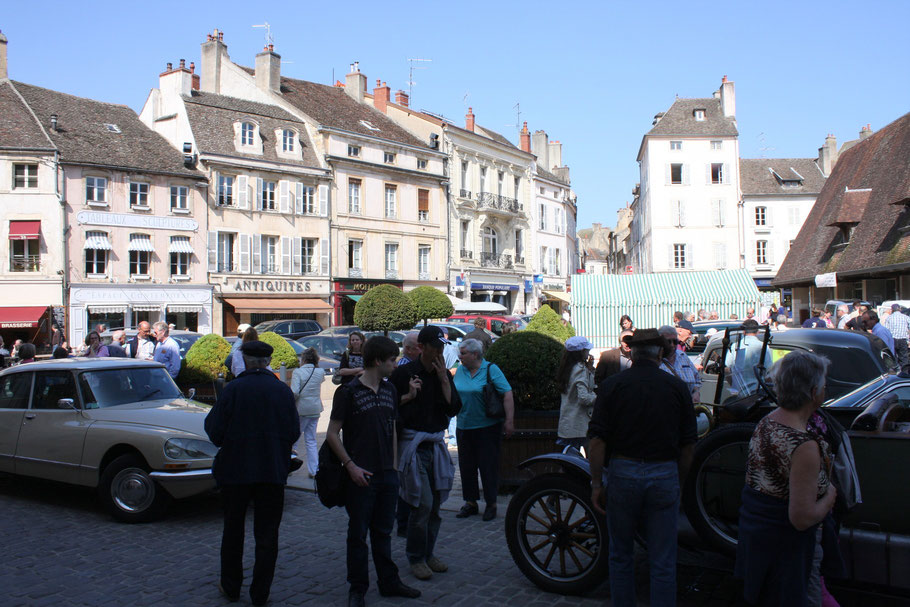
(598, 301)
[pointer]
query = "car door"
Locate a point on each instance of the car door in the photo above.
(51, 438)
(15, 389)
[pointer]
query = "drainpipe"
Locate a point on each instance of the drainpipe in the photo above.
(61, 198)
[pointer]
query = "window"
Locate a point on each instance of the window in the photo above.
(140, 249)
(679, 256)
(269, 262)
(519, 246)
(355, 260)
(423, 260)
(542, 208)
(794, 216)
(354, 196)
(554, 261)
(268, 195)
(699, 115)
(226, 190)
(225, 252)
(388, 157)
(113, 128)
(679, 213)
(761, 216)
(246, 133)
(717, 173)
(676, 145)
(96, 248)
(24, 255)
(287, 140)
(720, 255)
(95, 189)
(717, 144)
(517, 184)
(308, 253)
(421, 164)
(490, 241)
(761, 252)
(676, 174)
(542, 191)
(499, 182)
(139, 194)
(391, 258)
(25, 176)
(423, 205)
(465, 238)
(464, 175)
(354, 151)
(14, 390)
(180, 252)
(179, 198)
(483, 179)
(719, 216)
(50, 387)
(309, 200)
(391, 194)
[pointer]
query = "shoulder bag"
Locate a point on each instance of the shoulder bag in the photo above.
(492, 400)
(331, 478)
(336, 378)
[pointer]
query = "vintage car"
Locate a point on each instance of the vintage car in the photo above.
(117, 424)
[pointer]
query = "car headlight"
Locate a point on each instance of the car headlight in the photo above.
(189, 448)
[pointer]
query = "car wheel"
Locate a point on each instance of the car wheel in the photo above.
(129, 494)
(556, 538)
(713, 492)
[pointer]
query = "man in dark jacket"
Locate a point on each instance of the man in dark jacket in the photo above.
(254, 424)
(479, 334)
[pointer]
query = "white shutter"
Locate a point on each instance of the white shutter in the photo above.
(285, 254)
(243, 192)
(726, 174)
(708, 174)
(768, 219)
(284, 204)
(688, 253)
(256, 247)
(259, 185)
(213, 251)
(668, 169)
(295, 256)
(674, 212)
(682, 213)
(715, 213)
(324, 200)
(685, 175)
(722, 215)
(769, 252)
(298, 202)
(670, 260)
(324, 255)
(245, 253)
(214, 187)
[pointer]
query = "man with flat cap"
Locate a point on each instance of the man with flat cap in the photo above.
(643, 430)
(254, 424)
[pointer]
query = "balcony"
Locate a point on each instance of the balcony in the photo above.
(391, 274)
(225, 267)
(466, 254)
(495, 260)
(464, 193)
(519, 261)
(28, 263)
(495, 202)
(355, 272)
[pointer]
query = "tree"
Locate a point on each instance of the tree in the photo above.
(529, 361)
(385, 308)
(282, 351)
(205, 360)
(430, 303)
(548, 322)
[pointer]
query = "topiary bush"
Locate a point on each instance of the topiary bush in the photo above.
(282, 352)
(430, 303)
(548, 322)
(204, 360)
(385, 308)
(529, 361)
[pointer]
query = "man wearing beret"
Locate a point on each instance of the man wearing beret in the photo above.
(254, 424)
(643, 429)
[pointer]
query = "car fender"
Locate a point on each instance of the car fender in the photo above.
(572, 465)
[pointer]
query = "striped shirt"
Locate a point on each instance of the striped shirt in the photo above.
(683, 368)
(898, 324)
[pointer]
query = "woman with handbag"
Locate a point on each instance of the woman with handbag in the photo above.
(576, 385)
(306, 384)
(487, 412)
(351, 363)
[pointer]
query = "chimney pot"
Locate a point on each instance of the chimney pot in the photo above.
(402, 99)
(183, 64)
(192, 67)
(170, 66)
(525, 137)
(355, 83)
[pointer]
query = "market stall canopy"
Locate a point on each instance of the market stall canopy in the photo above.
(278, 306)
(479, 307)
(21, 317)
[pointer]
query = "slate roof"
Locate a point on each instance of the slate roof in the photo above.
(880, 163)
(680, 119)
(765, 175)
(493, 135)
(212, 118)
(549, 176)
(18, 127)
(83, 138)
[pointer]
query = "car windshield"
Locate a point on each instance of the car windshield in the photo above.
(857, 396)
(185, 342)
(114, 387)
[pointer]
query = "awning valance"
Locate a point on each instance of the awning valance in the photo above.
(145, 307)
(183, 308)
(354, 298)
(109, 309)
(24, 230)
(267, 305)
(98, 241)
(180, 244)
(560, 295)
(141, 242)
(21, 317)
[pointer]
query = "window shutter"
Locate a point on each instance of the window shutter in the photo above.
(768, 222)
(324, 200)
(423, 200)
(285, 254)
(674, 208)
(725, 177)
(298, 201)
(245, 253)
(722, 215)
(668, 171)
(671, 263)
(243, 192)
(324, 254)
(296, 256)
(682, 213)
(259, 185)
(214, 188)
(772, 244)
(688, 255)
(685, 174)
(256, 247)
(284, 192)
(715, 213)
(213, 251)
(708, 174)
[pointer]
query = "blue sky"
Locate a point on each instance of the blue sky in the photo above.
(592, 74)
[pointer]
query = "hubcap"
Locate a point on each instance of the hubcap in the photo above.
(132, 490)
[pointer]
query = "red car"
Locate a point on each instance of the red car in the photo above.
(495, 322)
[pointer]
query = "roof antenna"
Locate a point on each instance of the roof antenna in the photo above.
(268, 32)
(517, 125)
(413, 66)
(764, 148)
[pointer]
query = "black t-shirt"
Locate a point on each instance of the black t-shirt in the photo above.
(429, 412)
(350, 361)
(367, 422)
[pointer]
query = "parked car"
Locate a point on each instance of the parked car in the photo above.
(494, 322)
(886, 306)
(457, 330)
(832, 304)
(117, 424)
(184, 339)
(293, 328)
(329, 346)
(345, 330)
(325, 362)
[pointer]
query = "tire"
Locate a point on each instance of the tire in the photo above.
(555, 537)
(712, 495)
(129, 494)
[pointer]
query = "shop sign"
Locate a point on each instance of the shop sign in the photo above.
(148, 222)
(18, 325)
(492, 286)
(826, 280)
(361, 287)
(272, 286)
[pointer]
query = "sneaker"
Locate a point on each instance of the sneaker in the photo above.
(421, 571)
(436, 564)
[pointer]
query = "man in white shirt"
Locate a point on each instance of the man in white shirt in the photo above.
(167, 352)
(141, 347)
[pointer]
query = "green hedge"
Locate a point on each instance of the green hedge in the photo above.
(385, 308)
(282, 352)
(430, 303)
(205, 360)
(548, 322)
(529, 361)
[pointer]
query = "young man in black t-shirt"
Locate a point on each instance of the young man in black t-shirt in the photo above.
(366, 409)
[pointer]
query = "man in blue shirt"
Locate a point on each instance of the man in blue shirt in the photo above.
(871, 324)
(167, 352)
(899, 325)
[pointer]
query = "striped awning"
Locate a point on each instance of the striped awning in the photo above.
(97, 241)
(180, 244)
(112, 309)
(184, 308)
(145, 307)
(141, 242)
(598, 301)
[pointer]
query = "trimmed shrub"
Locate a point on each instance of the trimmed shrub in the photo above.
(282, 352)
(205, 360)
(529, 361)
(430, 303)
(548, 322)
(385, 308)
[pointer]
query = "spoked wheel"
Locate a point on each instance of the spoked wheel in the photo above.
(556, 538)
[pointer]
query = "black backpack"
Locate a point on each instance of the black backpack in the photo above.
(331, 478)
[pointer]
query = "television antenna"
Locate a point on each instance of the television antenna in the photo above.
(764, 148)
(415, 65)
(268, 32)
(517, 108)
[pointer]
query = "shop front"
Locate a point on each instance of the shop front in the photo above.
(256, 300)
(555, 295)
(506, 291)
(28, 323)
(346, 294)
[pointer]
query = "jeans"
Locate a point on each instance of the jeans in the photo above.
(424, 520)
(452, 431)
(268, 505)
(900, 352)
(478, 451)
(372, 509)
(308, 436)
(642, 496)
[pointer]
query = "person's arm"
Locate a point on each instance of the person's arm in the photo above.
(297, 381)
(596, 452)
(804, 509)
(344, 366)
(585, 391)
(508, 404)
(216, 420)
(445, 380)
(360, 476)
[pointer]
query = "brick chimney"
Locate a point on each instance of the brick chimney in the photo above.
(469, 120)
(727, 98)
(4, 72)
(827, 155)
(525, 138)
(402, 99)
(381, 96)
(866, 132)
(540, 147)
(213, 51)
(195, 76)
(355, 83)
(268, 70)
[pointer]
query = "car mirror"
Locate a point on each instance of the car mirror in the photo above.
(67, 403)
(191, 393)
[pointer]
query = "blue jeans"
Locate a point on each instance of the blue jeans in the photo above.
(424, 520)
(372, 509)
(642, 496)
(453, 440)
(308, 437)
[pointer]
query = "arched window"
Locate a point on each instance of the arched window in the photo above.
(490, 241)
(246, 133)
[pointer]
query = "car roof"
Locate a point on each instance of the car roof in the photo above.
(81, 363)
(842, 338)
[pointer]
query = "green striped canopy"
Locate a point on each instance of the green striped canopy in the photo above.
(598, 301)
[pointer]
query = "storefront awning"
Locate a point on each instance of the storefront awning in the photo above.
(140, 242)
(21, 317)
(188, 308)
(354, 298)
(180, 244)
(97, 241)
(560, 295)
(145, 307)
(278, 306)
(24, 230)
(112, 309)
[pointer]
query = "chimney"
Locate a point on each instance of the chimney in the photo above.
(827, 155)
(195, 76)
(381, 96)
(402, 98)
(727, 98)
(866, 132)
(596, 225)
(355, 83)
(213, 51)
(469, 120)
(4, 72)
(175, 82)
(540, 148)
(268, 70)
(555, 154)
(562, 173)
(525, 138)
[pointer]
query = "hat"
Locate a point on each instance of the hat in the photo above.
(256, 349)
(685, 324)
(895, 307)
(432, 335)
(645, 337)
(578, 343)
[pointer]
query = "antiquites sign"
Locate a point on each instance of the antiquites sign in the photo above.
(148, 222)
(272, 286)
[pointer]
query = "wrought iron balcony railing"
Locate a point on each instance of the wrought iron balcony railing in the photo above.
(467, 254)
(28, 263)
(488, 200)
(495, 260)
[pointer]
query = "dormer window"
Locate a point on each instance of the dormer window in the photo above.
(287, 140)
(676, 145)
(421, 164)
(846, 232)
(354, 151)
(388, 157)
(246, 133)
(112, 128)
(699, 114)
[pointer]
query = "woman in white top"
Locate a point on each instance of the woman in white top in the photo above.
(306, 384)
(576, 385)
(237, 364)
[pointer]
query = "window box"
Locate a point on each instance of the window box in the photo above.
(180, 211)
(140, 207)
(97, 203)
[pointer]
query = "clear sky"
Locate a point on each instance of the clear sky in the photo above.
(591, 74)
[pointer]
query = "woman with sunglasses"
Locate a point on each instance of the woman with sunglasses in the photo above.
(96, 349)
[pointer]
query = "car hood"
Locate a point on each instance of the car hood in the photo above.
(177, 414)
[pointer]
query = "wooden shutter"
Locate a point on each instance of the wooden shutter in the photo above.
(671, 261)
(324, 256)
(324, 200)
(285, 254)
(768, 223)
(243, 192)
(423, 201)
(682, 213)
(213, 251)
(708, 180)
(298, 201)
(674, 212)
(214, 187)
(296, 256)
(256, 248)
(259, 185)
(245, 245)
(685, 174)
(284, 196)
(668, 176)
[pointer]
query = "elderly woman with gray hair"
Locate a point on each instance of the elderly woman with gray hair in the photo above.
(788, 488)
(306, 384)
